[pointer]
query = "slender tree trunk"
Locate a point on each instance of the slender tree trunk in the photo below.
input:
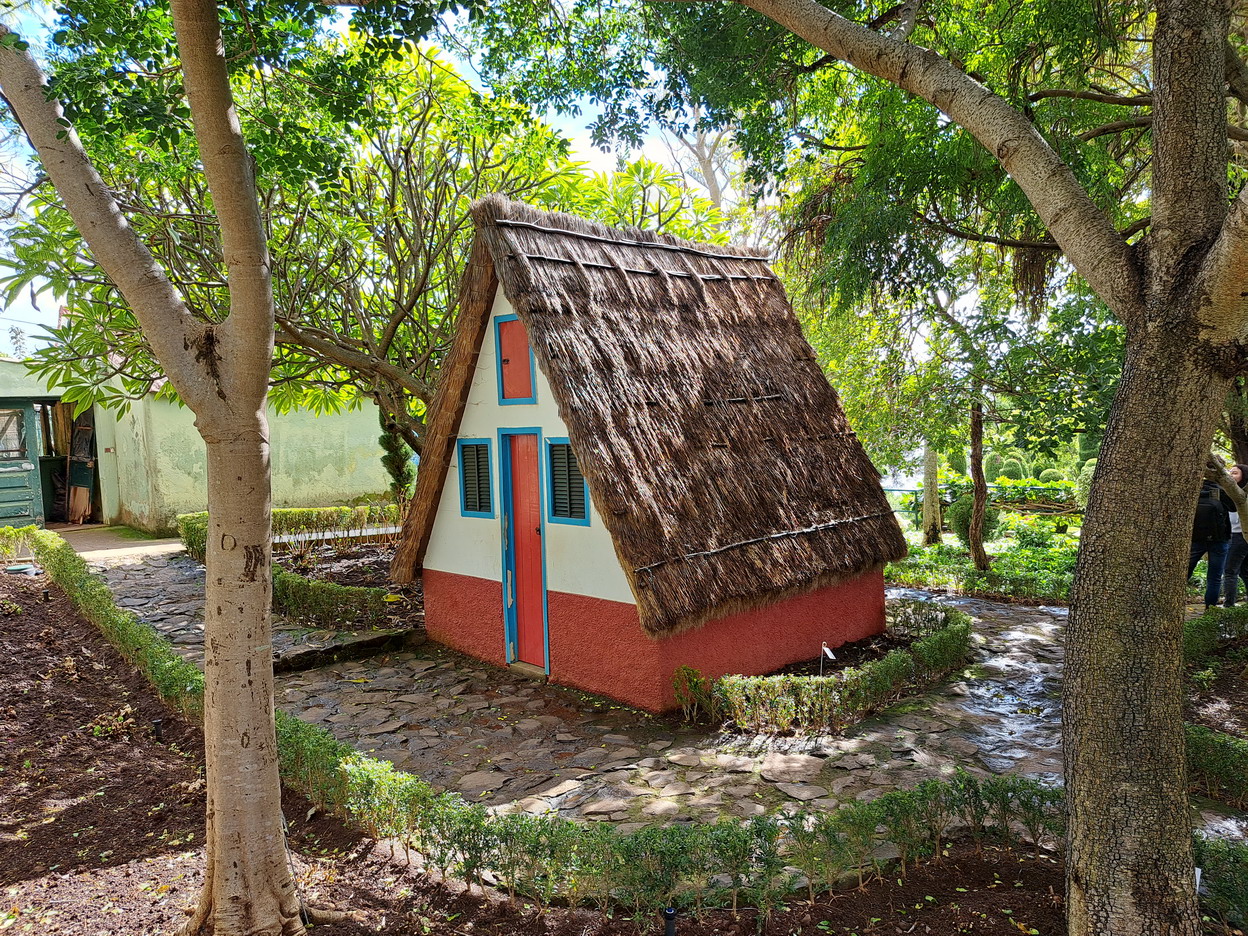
(248, 886)
(931, 496)
(1129, 848)
(979, 485)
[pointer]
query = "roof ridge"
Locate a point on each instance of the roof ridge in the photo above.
(678, 248)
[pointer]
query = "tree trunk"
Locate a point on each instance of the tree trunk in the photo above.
(248, 887)
(1129, 851)
(979, 485)
(931, 496)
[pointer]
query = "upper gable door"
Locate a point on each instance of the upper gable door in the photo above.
(21, 495)
(524, 574)
(515, 362)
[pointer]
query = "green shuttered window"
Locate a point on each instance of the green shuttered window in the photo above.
(474, 474)
(568, 500)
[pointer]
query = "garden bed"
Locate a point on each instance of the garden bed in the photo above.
(352, 565)
(1219, 697)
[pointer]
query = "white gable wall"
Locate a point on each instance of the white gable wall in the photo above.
(580, 560)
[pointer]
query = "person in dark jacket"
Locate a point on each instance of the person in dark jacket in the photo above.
(1236, 568)
(1211, 535)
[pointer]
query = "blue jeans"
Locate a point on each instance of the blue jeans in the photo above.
(1217, 550)
(1235, 569)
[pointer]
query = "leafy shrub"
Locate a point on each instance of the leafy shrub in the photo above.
(1225, 875)
(1051, 474)
(1020, 572)
(1217, 764)
(1083, 485)
(993, 463)
(695, 696)
(1034, 533)
(290, 521)
(958, 516)
(957, 460)
(330, 605)
(1013, 469)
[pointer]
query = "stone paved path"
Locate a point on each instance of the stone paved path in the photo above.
(518, 745)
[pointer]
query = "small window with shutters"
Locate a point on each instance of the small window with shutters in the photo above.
(569, 494)
(476, 493)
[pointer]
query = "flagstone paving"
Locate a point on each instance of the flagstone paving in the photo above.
(514, 744)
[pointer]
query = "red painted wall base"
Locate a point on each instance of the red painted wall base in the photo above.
(599, 646)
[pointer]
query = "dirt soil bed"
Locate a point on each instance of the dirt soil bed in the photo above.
(1221, 703)
(854, 653)
(101, 825)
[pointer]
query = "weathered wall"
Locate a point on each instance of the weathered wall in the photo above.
(157, 466)
(599, 645)
(16, 381)
(580, 560)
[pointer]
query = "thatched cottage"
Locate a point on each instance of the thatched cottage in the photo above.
(634, 462)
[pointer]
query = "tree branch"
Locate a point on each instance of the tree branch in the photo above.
(1098, 252)
(356, 361)
(1236, 74)
(1216, 470)
(246, 336)
(1224, 274)
(168, 324)
(1138, 100)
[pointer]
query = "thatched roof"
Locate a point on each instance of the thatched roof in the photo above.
(715, 450)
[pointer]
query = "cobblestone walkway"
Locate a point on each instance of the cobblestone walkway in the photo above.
(518, 745)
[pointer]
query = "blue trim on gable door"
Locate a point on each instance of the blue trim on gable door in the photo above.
(510, 634)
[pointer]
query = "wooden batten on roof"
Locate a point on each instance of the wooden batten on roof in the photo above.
(716, 452)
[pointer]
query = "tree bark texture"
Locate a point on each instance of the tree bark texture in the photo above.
(931, 496)
(1129, 847)
(222, 372)
(1237, 420)
(979, 486)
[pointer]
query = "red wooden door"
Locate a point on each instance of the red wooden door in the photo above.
(513, 347)
(526, 523)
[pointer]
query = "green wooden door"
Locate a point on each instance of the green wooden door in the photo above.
(21, 496)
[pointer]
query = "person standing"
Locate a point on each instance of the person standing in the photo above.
(1211, 536)
(1235, 566)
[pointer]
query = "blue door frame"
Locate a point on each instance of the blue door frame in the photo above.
(509, 553)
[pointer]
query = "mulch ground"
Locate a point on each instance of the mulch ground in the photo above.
(101, 825)
(1222, 703)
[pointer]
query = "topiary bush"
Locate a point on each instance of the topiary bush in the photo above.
(958, 516)
(957, 460)
(1083, 484)
(993, 463)
(1052, 474)
(1012, 468)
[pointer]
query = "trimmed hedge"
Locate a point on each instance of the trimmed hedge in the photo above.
(1217, 764)
(334, 606)
(548, 859)
(323, 603)
(193, 527)
(833, 703)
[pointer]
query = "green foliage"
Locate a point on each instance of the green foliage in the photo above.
(957, 460)
(958, 516)
(695, 696)
(1019, 495)
(832, 703)
(1225, 876)
(327, 604)
(397, 460)
(1083, 486)
(1042, 574)
(347, 607)
(1217, 764)
(1217, 626)
(1035, 533)
(1013, 469)
(994, 465)
(1050, 475)
(323, 522)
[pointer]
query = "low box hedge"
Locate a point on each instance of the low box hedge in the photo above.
(832, 703)
(289, 521)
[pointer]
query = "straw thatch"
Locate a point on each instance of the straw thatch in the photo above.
(715, 450)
